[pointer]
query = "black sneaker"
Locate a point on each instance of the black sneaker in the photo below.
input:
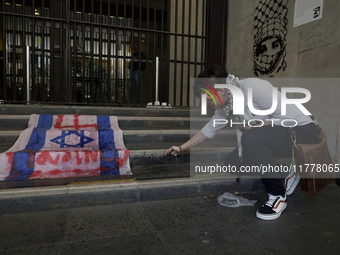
(273, 208)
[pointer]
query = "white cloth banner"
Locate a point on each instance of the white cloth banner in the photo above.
(57, 146)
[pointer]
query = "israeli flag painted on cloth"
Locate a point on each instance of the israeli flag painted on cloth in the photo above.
(57, 146)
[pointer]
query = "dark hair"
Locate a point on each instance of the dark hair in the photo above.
(213, 71)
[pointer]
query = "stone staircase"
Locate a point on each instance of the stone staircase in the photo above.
(147, 134)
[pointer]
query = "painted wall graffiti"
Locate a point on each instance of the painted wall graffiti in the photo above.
(270, 30)
(66, 146)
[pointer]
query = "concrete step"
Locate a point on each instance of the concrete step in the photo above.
(197, 154)
(142, 172)
(10, 109)
(153, 154)
(147, 133)
(103, 192)
(8, 138)
(20, 122)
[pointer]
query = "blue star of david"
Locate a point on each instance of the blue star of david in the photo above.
(61, 139)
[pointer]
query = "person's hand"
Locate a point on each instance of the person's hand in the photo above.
(174, 150)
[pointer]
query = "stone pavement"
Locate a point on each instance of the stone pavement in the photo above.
(195, 225)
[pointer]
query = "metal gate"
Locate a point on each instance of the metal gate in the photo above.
(101, 52)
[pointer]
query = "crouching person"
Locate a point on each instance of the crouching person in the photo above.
(258, 144)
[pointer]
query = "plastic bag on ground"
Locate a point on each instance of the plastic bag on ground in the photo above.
(230, 200)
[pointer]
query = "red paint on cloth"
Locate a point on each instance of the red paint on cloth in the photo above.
(76, 125)
(124, 159)
(92, 154)
(66, 157)
(57, 173)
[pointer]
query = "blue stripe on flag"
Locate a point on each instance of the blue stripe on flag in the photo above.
(23, 161)
(109, 158)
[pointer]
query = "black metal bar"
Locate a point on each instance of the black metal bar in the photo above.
(147, 37)
(100, 11)
(57, 89)
(154, 40)
(189, 48)
(124, 16)
(85, 98)
(154, 15)
(74, 61)
(139, 53)
(148, 15)
(29, 16)
(225, 28)
(51, 8)
(51, 87)
(92, 94)
(175, 53)
(100, 53)
(74, 16)
(33, 54)
(161, 92)
(42, 55)
(14, 64)
(185, 62)
(132, 42)
(133, 14)
(93, 85)
(182, 53)
(109, 54)
(147, 44)
(116, 53)
(139, 64)
(108, 63)
(168, 50)
(72, 26)
(208, 34)
(4, 52)
(73, 56)
(14, 68)
(67, 52)
(61, 43)
(24, 56)
(23, 5)
(122, 82)
(140, 13)
(21, 60)
(83, 12)
(124, 65)
(4, 55)
(196, 32)
(83, 62)
(63, 3)
(202, 44)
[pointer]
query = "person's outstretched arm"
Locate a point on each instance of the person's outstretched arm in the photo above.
(198, 138)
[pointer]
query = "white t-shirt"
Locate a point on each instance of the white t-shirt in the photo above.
(262, 100)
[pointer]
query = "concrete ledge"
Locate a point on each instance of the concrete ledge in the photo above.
(32, 192)
(121, 118)
(138, 136)
(20, 122)
(157, 157)
(6, 109)
(114, 192)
